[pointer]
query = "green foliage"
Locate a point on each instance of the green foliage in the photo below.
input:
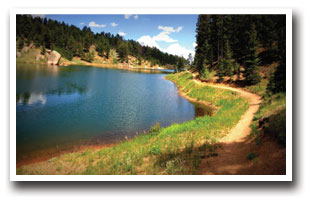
(180, 64)
(71, 40)
(251, 156)
(271, 119)
(68, 54)
(221, 70)
(252, 60)
(43, 49)
(224, 42)
(229, 62)
(155, 128)
(207, 75)
(20, 44)
(122, 50)
(89, 56)
(155, 150)
(277, 82)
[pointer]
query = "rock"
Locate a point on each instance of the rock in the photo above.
(31, 46)
(39, 57)
(25, 49)
(18, 54)
(52, 57)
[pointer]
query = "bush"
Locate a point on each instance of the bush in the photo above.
(251, 156)
(155, 128)
(207, 75)
(89, 56)
(155, 150)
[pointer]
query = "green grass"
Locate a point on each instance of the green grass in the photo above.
(259, 88)
(176, 149)
(270, 120)
(30, 57)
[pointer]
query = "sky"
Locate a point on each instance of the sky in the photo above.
(174, 34)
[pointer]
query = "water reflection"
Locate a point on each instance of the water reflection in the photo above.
(37, 83)
(28, 98)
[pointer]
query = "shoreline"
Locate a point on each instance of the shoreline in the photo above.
(183, 94)
(80, 148)
(52, 167)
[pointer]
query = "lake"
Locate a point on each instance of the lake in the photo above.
(61, 109)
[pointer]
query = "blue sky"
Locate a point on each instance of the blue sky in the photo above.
(174, 34)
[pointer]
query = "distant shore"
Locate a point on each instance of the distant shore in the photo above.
(34, 56)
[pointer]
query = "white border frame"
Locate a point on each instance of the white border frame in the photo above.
(287, 177)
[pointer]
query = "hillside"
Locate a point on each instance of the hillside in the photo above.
(33, 55)
(82, 46)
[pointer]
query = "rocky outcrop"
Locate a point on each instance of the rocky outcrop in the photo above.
(25, 49)
(39, 57)
(52, 57)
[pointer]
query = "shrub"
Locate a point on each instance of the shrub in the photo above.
(155, 150)
(155, 128)
(207, 75)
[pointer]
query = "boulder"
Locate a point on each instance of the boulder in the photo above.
(39, 57)
(25, 49)
(52, 57)
(18, 54)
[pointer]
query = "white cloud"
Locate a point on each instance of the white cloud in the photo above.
(179, 29)
(163, 36)
(113, 24)
(82, 23)
(148, 41)
(93, 24)
(194, 44)
(122, 33)
(127, 16)
(170, 29)
(177, 49)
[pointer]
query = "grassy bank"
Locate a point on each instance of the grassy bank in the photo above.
(31, 55)
(177, 149)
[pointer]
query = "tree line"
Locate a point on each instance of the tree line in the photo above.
(71, 41)
(227, 42)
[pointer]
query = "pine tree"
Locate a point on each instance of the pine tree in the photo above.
(228, 60)
(180, 65)
(221, 70)
(190, 59)
(252, 60)
(201, 38)
(277, 82)
(122, 50)
(43, 49)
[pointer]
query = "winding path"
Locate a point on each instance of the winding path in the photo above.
(234, 147)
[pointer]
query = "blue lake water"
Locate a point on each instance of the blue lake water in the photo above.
(59, 107)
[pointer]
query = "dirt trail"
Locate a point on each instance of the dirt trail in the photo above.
(235, 146)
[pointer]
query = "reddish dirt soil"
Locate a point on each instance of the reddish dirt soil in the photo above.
(234, 148)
